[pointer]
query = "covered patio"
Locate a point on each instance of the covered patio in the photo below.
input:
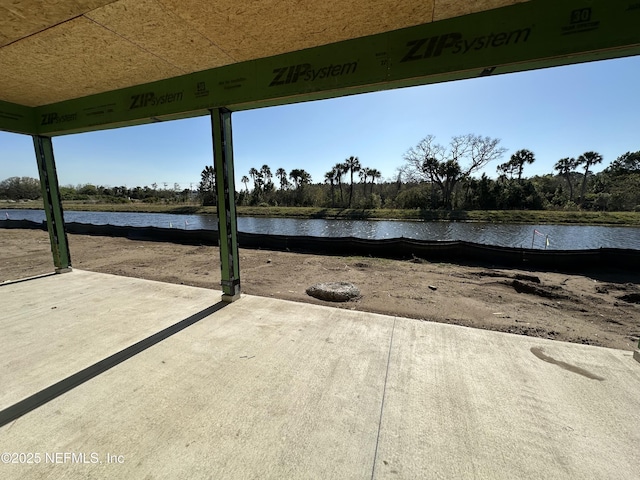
(112, 377)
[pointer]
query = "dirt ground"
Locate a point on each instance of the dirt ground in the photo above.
(599, 308)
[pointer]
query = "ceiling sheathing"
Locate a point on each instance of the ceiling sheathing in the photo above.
(88, 65)
(55, 51)
(22, 18)
(69, 61)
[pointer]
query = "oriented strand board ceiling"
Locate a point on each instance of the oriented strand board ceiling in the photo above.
(21, 18)
(51, 51)
(80, 65)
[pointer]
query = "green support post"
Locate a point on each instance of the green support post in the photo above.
(226, 203)
(52, 203)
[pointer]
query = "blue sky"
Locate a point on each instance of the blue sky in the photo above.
(558, 112)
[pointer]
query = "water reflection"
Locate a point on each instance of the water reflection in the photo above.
(561, 237)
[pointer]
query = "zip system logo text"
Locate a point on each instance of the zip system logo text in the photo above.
(306, 73)
(150, 99)
(54, 118)
(456, 43)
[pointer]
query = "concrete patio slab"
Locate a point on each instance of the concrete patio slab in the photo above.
(467, 403)
(265, 388)
(54, 326)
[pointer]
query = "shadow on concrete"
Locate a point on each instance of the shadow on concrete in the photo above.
(42, 397)
(27, 279)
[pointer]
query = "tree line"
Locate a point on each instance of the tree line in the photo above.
(296, 188)
(435, 176)
(432, 176)
(27, 188)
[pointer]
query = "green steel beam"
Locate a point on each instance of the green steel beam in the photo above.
(534, 34)
(52, 203)
(226, 203)
(17, 118)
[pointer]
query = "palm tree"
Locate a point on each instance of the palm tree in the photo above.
(300, 177)
(587, 159)
(295, 177)
(565, 167)
(364, 174)
(520, 158)
(256, 176)
(516, 164)
(339, 170)
(265, 173)
(375, 175)
(352, 165)
(245, 180)
(330, 178)
(281, 173)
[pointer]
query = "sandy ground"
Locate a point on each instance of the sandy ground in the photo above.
(599, 308)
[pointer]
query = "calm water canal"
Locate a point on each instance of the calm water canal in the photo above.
(561, 237)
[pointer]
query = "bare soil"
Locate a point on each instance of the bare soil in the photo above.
(599, 308)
